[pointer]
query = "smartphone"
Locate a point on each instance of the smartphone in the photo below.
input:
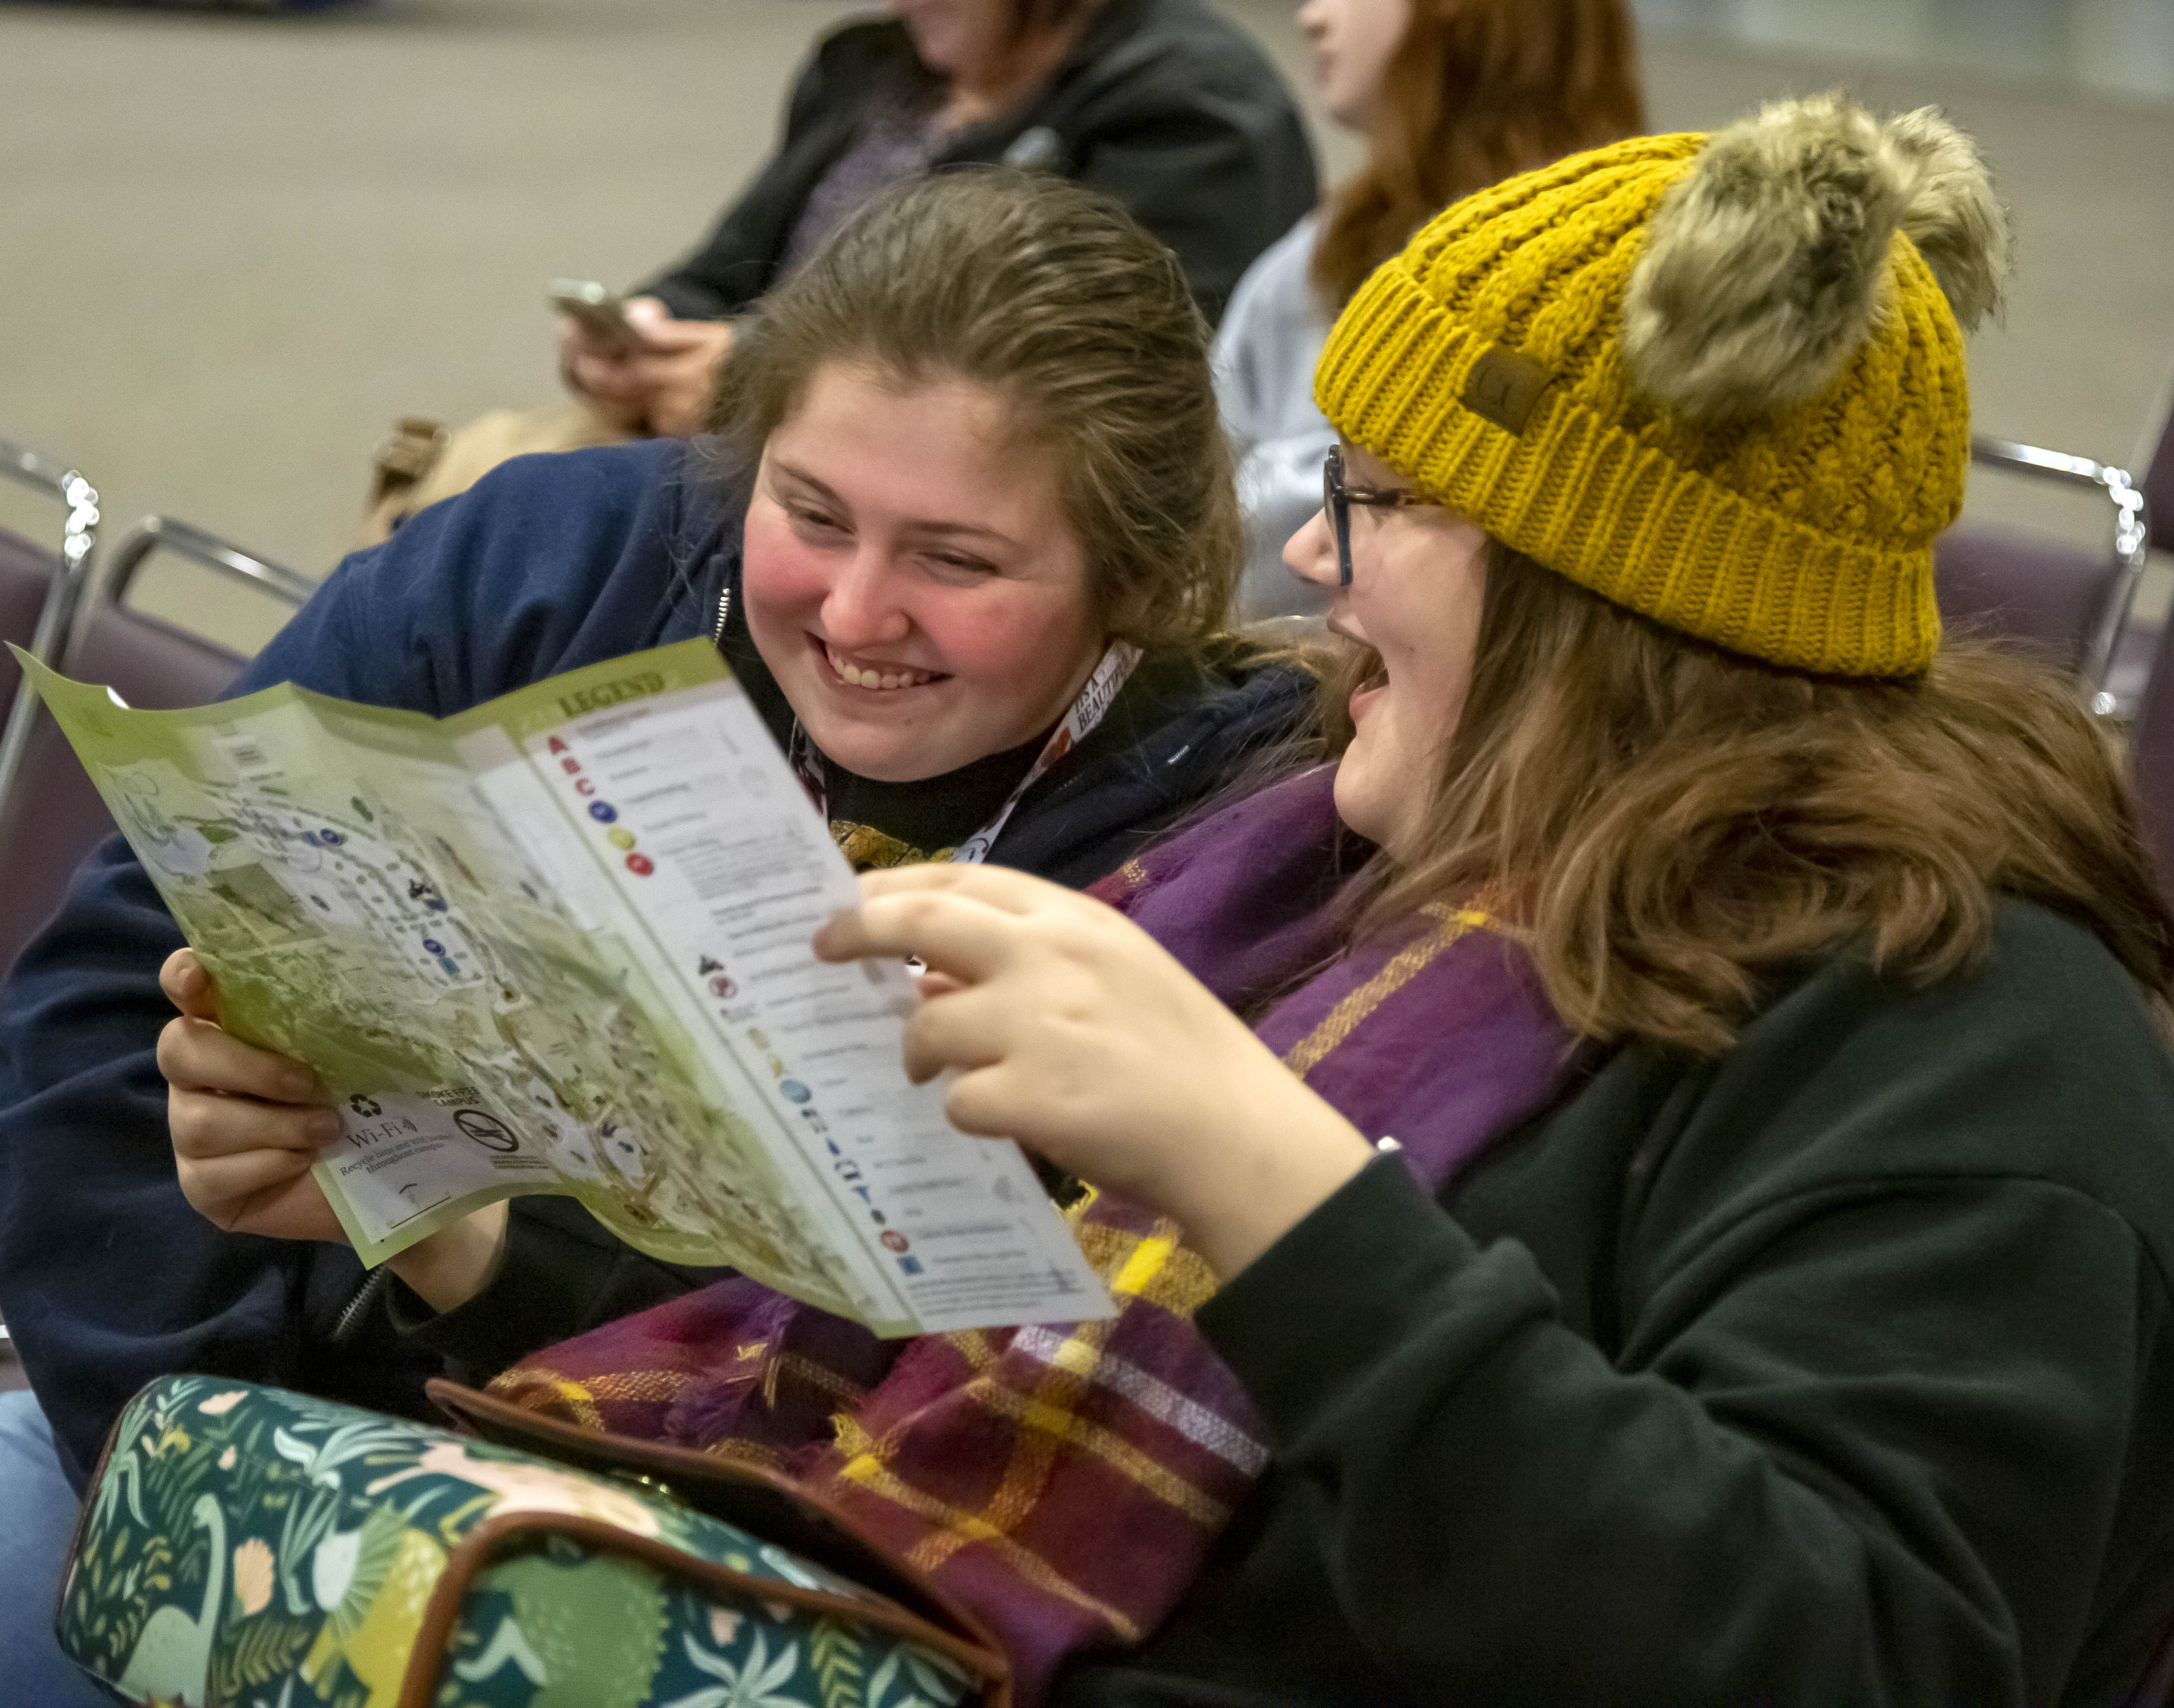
(601, 313)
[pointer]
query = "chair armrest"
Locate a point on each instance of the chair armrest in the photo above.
(2131, 538)
(78, 545)
(158, 533)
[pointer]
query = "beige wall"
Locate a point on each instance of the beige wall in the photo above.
(236, 248)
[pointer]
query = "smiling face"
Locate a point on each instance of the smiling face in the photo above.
(912, 580)
(1353, 41)
(1418, 578)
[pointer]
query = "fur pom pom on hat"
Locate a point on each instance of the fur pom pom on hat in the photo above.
(1718, 380)
(1765, 264)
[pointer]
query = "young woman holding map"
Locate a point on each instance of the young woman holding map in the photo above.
(965, 536)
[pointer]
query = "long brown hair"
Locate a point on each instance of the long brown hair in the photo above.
(1478, 90)
(1673, 824)
(1055, 298)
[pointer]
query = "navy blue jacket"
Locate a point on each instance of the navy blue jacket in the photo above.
(107, 1276)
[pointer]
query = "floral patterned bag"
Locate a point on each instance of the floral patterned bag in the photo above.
(248, 1546)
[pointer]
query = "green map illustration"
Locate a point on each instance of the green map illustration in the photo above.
(363, 906)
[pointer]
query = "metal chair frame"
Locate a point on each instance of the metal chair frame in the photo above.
(2132, 541)
(154, 663)
(56, 617)
(158, 533)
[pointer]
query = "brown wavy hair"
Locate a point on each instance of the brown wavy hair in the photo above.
(1056, 298)
(1476, 91)
(1674, 824)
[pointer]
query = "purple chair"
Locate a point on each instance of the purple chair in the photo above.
(53, 816)
(27, 574)
(2069, 602)
(2158, 485)
(44, 588)
(2151, 739)
(2151, 761)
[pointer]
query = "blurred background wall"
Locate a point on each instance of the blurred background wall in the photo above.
(234, 247)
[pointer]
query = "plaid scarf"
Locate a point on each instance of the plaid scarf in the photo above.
(1066, 1483)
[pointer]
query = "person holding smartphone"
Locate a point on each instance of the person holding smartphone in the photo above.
(1159, 103)
(640, 369)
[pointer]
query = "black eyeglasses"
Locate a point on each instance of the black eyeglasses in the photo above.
(1337, 499)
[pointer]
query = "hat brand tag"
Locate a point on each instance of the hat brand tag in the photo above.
(1505, 385)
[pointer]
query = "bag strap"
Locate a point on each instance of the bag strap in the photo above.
(768, 1505)
(426, 1662)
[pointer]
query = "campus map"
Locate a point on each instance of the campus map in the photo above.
(559, 943)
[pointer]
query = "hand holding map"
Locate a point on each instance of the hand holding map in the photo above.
(559, 943)
(246, 1124)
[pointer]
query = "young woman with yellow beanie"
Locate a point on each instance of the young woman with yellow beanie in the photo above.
(1670, 1135)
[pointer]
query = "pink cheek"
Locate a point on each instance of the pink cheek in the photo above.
(783, 579)
(991, 640)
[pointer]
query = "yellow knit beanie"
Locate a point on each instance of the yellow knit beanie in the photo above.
(1718, 380)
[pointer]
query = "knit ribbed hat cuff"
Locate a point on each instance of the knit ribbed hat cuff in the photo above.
(1585, 498)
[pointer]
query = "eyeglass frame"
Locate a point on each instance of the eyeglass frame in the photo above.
(1337, 500)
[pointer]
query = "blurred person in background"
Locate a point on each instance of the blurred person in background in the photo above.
(1157, 103)
(1450, 95)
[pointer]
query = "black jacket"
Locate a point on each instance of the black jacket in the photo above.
(108, 1277)
(1839, 1370)
(1160, 104)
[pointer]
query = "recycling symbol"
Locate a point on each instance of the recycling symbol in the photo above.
(364, 1106)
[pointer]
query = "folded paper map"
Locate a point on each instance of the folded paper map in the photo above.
(560, 943)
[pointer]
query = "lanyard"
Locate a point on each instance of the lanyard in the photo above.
(1087, 710)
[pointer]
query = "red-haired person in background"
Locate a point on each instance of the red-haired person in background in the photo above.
(1451, 95)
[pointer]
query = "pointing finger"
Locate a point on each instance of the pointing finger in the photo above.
(967, 1029)
(968, 940)
(994, 886)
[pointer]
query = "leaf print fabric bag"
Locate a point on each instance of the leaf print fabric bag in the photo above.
(245, 1545)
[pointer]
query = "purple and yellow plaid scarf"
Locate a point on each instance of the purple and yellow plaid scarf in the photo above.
(1066, 1483)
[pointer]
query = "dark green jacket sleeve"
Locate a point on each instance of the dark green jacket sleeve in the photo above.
(1835, 1372)
(563, 1273)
